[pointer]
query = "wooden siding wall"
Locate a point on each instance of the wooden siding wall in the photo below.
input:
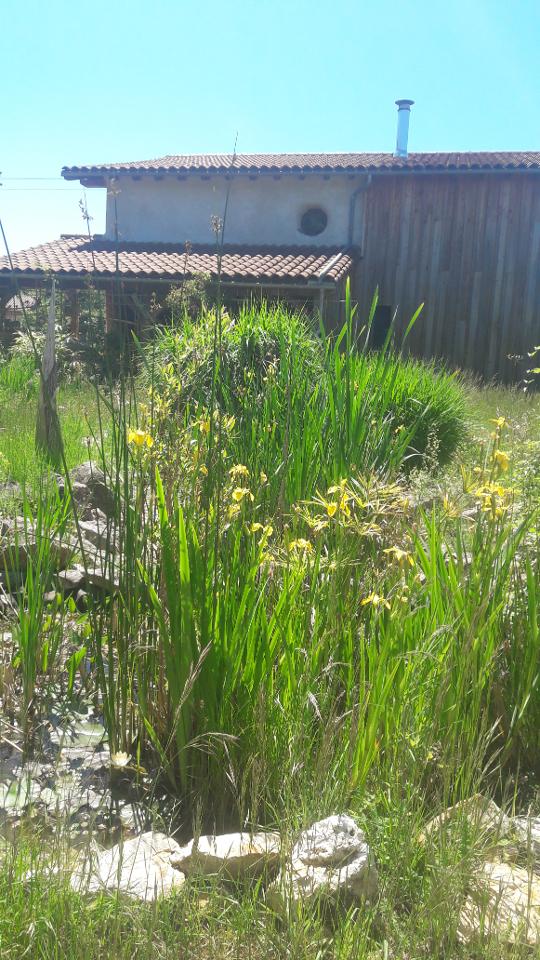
(468, 246)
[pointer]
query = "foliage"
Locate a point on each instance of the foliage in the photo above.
(191, 298)
(426, 396)
(19, 461)
(304, 411)
(252, 344)
(291, 633)
(19, 375)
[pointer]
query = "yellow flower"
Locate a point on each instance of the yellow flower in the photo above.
(376, 601)
(203, 469)
(501, 459)
(140, 438)
(204, 426)
(255, 527)
(263, 478)
(301, 545)
(239, 470)
(402, 557)
(331, 509)
(449, 507)
(240, 492)
(499, 422)
(339, 487)
(119, 760)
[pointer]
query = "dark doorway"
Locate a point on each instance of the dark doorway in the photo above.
(382, 319)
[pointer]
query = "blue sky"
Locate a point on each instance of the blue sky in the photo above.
(134, 79)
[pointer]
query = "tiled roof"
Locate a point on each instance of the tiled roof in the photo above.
(79, 256)
(313, 162)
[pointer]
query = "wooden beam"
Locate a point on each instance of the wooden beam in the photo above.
(109, 310)
(73, 312)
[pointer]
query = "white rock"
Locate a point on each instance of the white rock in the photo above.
(330, 842)
(505, 903)
(528, 831)
(332, 860)
(71, 579)
(232, 854)
(140, 868)
(482, 815)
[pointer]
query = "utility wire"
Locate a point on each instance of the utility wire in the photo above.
(41, 189)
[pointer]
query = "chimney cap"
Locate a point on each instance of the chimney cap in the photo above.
(404, 104)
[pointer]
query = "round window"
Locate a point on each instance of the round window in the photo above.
(313, 221)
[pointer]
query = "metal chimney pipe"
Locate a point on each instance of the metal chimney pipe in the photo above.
(404, 112)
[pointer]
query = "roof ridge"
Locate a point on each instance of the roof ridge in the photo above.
(337, 161)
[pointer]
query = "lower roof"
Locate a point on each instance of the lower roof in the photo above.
(80, 256)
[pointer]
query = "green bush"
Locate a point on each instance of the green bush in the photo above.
(252, 342)
(423, 395)
(332, 408)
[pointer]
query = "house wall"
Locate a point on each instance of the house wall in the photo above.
(468, 247)
(260, 211)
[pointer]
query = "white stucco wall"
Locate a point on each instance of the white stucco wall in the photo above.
(260, 211)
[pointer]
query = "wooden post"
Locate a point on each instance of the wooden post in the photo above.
(6, 326)
(73, 310)
(48, 433)
(4, 297)
(109, 310)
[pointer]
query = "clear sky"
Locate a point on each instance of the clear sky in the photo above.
(134, 79)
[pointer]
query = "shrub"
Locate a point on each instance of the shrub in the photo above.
(252, 342)
(306, 412)
(424, 395)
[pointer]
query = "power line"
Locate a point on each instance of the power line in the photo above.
(42, 189)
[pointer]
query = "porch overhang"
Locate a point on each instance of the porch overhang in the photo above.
(77, 260)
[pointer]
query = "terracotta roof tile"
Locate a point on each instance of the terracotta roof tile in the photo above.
(79, 256)
(313, 162)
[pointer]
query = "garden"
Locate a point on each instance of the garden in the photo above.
(280, 589)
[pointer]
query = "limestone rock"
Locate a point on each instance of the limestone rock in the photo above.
(89, 489)
(528, 831)
(8, 603)
(482, 816)
(330, 860)
(87, 473)
(103, 577)
(98, 532)
(233, 854)
(23, 546)
(140, 868)
(72, 579)
(504, 902)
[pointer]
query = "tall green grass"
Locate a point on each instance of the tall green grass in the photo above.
(307, 410)
(266, 623)
(291, 635)
(19, 460)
